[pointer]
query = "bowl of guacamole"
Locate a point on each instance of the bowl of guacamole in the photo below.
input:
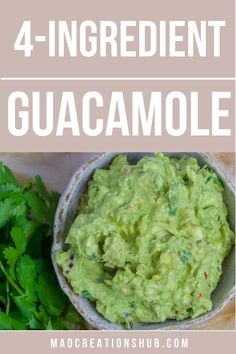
(145, 241)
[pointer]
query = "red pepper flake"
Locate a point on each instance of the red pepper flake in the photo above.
(199, 295)
(206, 275)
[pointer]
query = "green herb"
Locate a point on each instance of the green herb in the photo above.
(205, 167)
(92, 256)
(30, 296)
(131, 303)
(173, 198)
(185, 256)
(188, 182)
(173, 202)
(208, 179)
(86, 294)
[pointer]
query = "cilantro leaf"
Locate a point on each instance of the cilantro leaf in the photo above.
(42, 191)
(26, 275)
(30, 296)
(185, 256)
(8, 322)
(19, 239)
(38, 206)
(86, 294)
(6, 176)
(11, 255)
(26, 306)
(71, 320)
(6, 207)
(49, 294)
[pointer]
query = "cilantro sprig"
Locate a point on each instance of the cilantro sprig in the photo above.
(30, 297)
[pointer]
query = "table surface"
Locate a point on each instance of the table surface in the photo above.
(56, 170)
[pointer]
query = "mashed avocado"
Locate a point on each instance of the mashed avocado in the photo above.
(149, 240)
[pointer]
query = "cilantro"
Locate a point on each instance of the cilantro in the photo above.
(205, 167)
(188, 182)
(26, 274)
(213, 180)
(50, 294)
(173, 203)
(26, 305)
(6, 176)
(208, 179)
(8, 322)
(30, 296)
(6, 207)
(185, 256)
(93, 256)
(38, 207)
(86, 294)
(19, 240)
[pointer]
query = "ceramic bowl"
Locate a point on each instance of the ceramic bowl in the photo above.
(67, 212)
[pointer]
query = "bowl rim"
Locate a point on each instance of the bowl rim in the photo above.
(75, 299)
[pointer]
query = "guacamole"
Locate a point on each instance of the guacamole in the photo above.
(149, 240)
